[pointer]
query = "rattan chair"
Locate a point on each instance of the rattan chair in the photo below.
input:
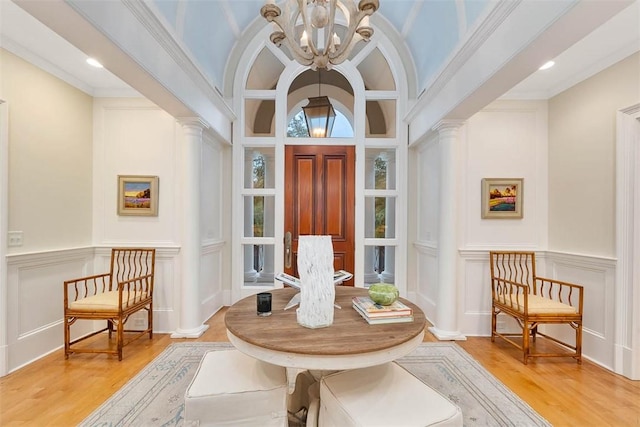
(532, 301)
(113, 296)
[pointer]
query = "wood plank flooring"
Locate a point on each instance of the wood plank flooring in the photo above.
(58, 392)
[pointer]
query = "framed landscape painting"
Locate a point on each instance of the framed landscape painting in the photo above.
(138, 195)
(502, 197)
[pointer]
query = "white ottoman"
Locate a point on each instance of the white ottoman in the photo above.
(385, 395)
(231, 388)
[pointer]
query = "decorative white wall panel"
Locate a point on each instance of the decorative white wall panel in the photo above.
(35, 298)
(35, 302)
(475, 293)
(427, 278)
(212, 280)
(597, 275)
(134, 137)
(508, 139)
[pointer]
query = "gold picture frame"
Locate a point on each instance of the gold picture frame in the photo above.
(138, 195)
(502, 197)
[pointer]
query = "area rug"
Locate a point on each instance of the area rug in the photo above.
(155, 397)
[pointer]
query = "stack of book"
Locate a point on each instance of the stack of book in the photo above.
(376, 314)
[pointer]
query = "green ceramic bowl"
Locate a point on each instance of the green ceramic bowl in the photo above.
(383, 293)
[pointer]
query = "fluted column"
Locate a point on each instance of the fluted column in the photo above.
(190, 325)
(446, 325)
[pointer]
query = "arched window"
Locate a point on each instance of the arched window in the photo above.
(297, 127)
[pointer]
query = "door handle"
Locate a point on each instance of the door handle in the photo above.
(287, 249)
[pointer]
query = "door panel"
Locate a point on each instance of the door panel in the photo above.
(320, 199)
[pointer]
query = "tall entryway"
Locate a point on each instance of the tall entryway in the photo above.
(351, 185)
(319, 199)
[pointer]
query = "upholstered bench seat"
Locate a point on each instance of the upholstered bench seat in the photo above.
(107, 301)
(538, 305)
(231, 388)
(385, 395)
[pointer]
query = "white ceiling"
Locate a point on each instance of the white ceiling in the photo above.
(28, 38)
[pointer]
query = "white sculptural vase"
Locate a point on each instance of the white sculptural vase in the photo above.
(317, 291)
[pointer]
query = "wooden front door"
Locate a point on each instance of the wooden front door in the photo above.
(320, 200)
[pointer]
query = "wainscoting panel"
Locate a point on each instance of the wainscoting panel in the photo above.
(35, 298)
(597, 275)
(35, 301)
(427, 278)
(165, 299)
(211, 273)
(475, 294)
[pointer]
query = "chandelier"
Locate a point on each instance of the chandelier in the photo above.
(308, 27)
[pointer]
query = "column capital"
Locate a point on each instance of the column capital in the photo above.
(193, 122)
(448, 125)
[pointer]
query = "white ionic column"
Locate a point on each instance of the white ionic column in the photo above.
(446, 324)
(190, 325)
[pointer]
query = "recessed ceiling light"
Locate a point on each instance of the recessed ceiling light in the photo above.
(547, 65)
(94, 63)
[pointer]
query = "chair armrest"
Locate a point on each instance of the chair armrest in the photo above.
(507, 292)
(137, 287)
(564, 292)
(87, 286)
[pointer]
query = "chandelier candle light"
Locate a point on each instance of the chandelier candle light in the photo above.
(308, 27)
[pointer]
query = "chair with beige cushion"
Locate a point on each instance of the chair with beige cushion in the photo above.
(383, 396)
(533, 301)
(113, 296)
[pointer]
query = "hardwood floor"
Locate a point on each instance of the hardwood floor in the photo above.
(58, 392)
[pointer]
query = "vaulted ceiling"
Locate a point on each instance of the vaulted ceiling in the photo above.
(430, 29)
(194, 40)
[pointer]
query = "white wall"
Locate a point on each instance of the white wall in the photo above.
(133, 136)
(76, 220)
(569, 209)
(49, 200)
(51, 158)
(582, 206)
(582, 159)
(507, 139)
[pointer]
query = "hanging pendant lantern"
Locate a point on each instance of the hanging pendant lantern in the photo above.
(319, 115)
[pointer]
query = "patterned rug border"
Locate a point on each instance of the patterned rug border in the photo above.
(454, 369)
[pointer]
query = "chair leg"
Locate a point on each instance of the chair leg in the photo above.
(150, 321)
(579, 343)
(110, 327)
(120, 337)
(67, 337)
(525, 341)
(494, 322)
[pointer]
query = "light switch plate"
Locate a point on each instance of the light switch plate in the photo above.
(14, 238)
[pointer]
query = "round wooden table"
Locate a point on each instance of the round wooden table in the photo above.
(349, 343)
